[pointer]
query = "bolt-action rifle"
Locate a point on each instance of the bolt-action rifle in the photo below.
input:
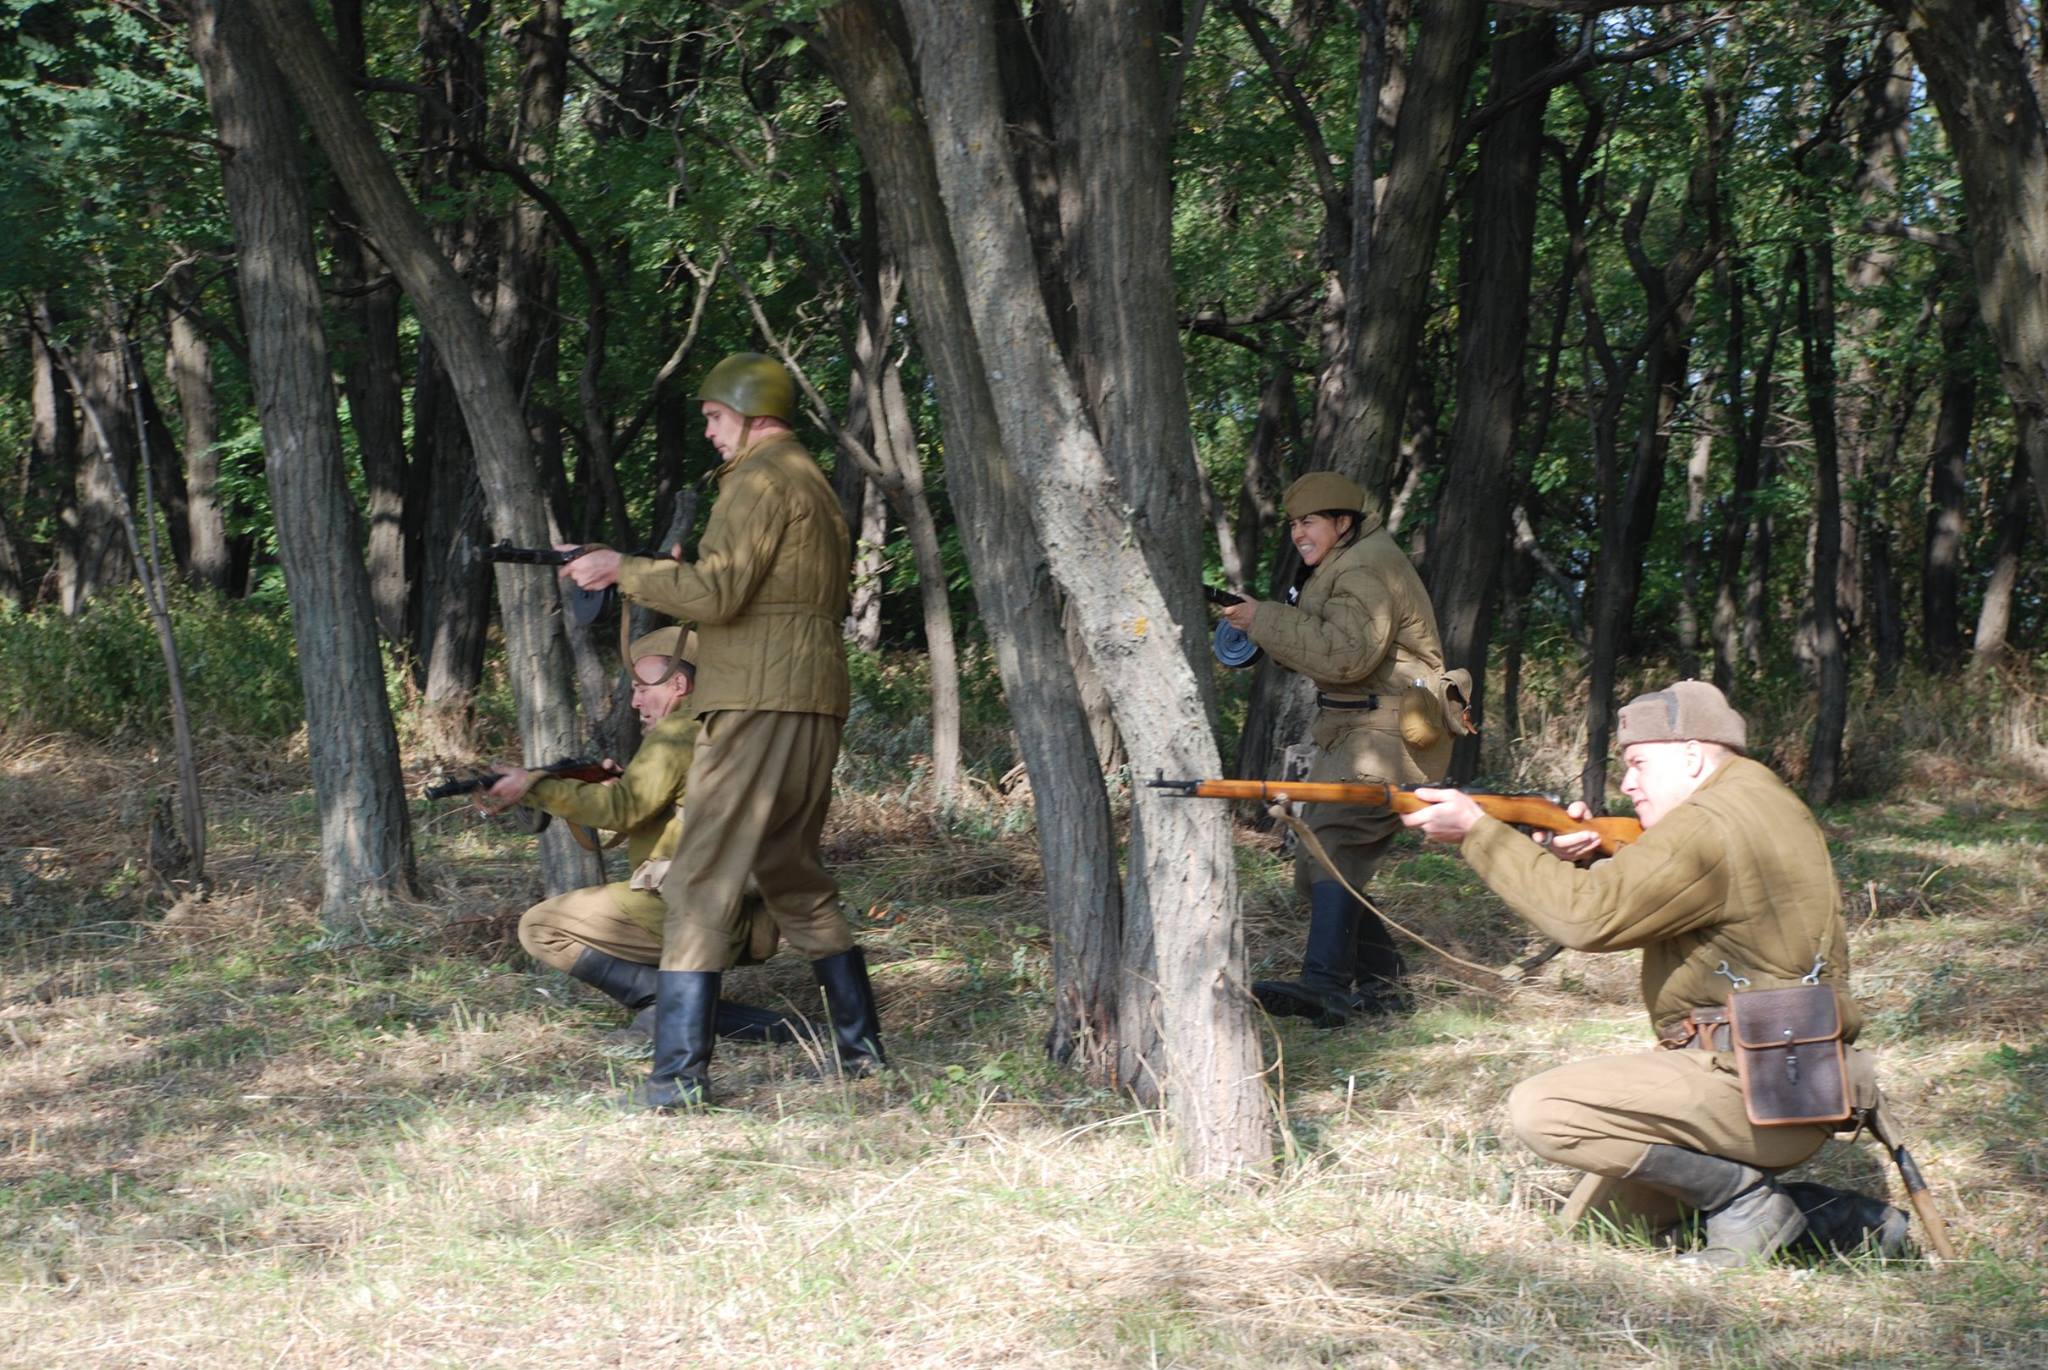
(1522, 810)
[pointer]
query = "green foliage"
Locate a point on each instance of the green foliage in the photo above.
(101, 675)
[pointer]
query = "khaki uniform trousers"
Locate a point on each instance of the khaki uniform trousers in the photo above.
(756, 799)
(622, 922)
(1355, 745)
(1600, 1116)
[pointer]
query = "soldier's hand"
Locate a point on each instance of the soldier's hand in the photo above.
(508, 789)
(1240, 614)
(1572, 846)
(594, 570)
(1450, 815)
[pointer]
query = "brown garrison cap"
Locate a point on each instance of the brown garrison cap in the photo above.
(1690, 711)
(672, 643)
(1321, 492)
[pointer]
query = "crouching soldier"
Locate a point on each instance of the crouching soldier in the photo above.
(1729, 888)
(609, 936)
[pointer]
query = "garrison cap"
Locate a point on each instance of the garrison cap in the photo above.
(1690, 711)
(1323, 492)
(672, 643)
(753, 385)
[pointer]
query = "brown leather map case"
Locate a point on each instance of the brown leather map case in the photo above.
(1789, 1055)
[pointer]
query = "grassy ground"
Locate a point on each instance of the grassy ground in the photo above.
(226, 1141)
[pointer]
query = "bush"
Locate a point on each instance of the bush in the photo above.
(101, 675)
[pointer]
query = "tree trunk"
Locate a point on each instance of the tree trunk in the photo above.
(188, 360)
(1012, 582)
(1120, 526)
(1736, 611)
(1628, 510)
(1391, 264)
(1994, 617)
(91, 552)
(1471, 523)
(365, 836)
(1941, 562)
(369, 366)
(1992, 116)
(537, 657)
(871, 540)
(1817, 347)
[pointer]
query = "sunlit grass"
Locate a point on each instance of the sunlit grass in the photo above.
(227, 1140)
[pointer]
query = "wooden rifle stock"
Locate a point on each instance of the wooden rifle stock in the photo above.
(1522, 810)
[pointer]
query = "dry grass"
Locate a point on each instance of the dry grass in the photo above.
(226, 1142)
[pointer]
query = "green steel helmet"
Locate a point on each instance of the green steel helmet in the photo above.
(752, 385)
(1323, 492)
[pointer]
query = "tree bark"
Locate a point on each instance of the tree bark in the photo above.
(1992, 115)
(1471, 523)
(1391, 264)
(1012, 583)
(1817, 346)
(1111, 529)
(365, 835)
(1942, 555)
(371, 380)
(91, 555)
(188, 360)
(1992, 646)
(537, 656)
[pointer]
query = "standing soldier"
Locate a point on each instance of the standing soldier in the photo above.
(1730, 887)
(767, 593)
(1359, 624)
(609, 936)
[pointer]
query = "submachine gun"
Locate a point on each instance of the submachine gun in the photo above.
(584, 606)
(525, 816)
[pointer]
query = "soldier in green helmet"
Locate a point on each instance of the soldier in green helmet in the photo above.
(767, 592)
(1359, 624)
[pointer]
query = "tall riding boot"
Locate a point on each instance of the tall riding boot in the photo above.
(850, 999)
(628, 982)
(1323, 993)
(1747, 1214)
(1377, 967)
(685, 1015)
(1843, 1222)
(735, 1023)
(745, 1023)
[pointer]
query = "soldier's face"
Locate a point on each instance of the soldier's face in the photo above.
(1659, 776)
(1315, 534)
(655, 698)
(722, 425)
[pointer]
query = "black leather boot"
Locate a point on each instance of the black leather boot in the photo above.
(1377, 967)
(1843, 1222)
(850, 999)
(735, 1023)
(745, 1023)
(627, 982)
(1323, 994)
(1748, 1215)
(685, 1015)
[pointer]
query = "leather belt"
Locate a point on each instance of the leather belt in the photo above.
(1369, 703)
(1703, 1029)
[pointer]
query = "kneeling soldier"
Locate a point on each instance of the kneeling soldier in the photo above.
(609, 936)
(1730, 883)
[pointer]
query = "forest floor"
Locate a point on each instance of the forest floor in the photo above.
(227, 1139)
